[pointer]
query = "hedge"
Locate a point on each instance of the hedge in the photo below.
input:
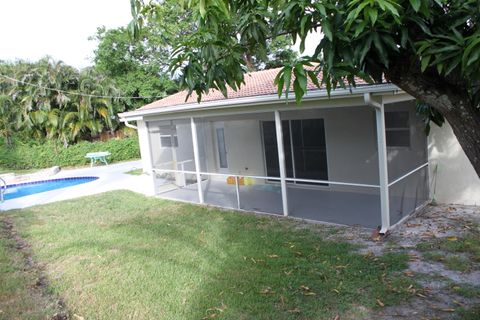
(51, 153)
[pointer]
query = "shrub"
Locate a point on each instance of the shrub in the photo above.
(34, 155)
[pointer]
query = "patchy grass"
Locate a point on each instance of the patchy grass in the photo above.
(458, 263)
(451, 261)
(135, 172)
(456, 253)
(465, 290)
(120, 255)
(469, 244)
(17, 298)
(469, 314)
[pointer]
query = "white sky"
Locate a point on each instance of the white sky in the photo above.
(32, 29)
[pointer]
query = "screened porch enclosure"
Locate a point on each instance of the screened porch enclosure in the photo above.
(318, 163)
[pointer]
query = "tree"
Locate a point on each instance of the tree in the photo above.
(429, 48)
(49, 99)
(7, 119)
(141, 68)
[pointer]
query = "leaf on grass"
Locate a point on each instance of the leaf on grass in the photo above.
(272, 256)
(336, 291)
(296, 310)
(307, 291)
(408, 273)
(267, 290)
(380, 303)
(452, 238)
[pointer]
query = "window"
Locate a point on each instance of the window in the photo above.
(397, 128)
(222, 150)
(166, 141)
(304, 147)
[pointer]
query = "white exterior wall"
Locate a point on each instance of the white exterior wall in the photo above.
(244, 147)
(144, 142)
(454, 180)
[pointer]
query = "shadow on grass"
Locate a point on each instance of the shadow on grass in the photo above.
(149, 258)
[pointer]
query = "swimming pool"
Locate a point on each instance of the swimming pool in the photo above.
(25, 189)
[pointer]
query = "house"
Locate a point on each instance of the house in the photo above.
(358, 157)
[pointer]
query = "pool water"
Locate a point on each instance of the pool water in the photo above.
(25, 189)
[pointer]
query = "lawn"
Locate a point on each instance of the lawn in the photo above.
(120, 255)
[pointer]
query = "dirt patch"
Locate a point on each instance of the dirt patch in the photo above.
(38, 290)
(446, 230)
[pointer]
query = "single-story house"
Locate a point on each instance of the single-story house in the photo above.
(360, 156)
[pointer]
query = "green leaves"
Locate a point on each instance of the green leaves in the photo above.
(429, 115)
(416, 4)
(46, 106)
(300, 71)
(362, 39)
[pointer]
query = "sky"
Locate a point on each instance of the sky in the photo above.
(32, 29)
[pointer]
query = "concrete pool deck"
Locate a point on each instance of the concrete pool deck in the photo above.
(111, 177)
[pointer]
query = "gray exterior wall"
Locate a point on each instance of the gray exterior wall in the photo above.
(350, 138)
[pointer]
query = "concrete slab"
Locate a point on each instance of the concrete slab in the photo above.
(111, 177)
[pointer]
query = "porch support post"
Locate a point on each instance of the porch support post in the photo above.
(382, 161)
(281, 162)
(197, 159)
(147, 155)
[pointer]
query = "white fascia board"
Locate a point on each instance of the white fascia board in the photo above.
(259, 100)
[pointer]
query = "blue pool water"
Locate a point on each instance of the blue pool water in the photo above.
(24, 189)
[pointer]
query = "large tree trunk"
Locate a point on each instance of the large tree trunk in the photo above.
(452, 102)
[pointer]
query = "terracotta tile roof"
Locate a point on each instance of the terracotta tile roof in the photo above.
(257, 83)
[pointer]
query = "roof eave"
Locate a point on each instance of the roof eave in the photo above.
(259, 100)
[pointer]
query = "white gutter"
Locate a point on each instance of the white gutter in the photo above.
(257, 100)
(369, 102)
(129, 124)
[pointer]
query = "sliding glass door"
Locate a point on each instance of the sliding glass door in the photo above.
(304, 145)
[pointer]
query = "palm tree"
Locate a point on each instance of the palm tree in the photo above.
(8, 118)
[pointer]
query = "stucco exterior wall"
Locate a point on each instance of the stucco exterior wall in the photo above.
(453, 179)
(144, 142)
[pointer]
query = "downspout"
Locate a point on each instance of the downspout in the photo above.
(129, 125)
(382, 161)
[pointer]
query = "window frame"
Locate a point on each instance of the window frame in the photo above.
(169, 136)
(407, 129)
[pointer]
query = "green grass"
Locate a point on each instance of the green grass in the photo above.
(451, 261)
(135, 172)
(120, 255)
(465, 290)
(469, 244)
(17, 300)
(469, 314)
(456, 253)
